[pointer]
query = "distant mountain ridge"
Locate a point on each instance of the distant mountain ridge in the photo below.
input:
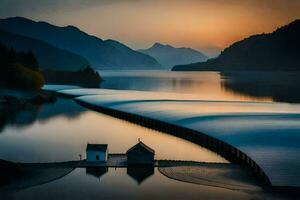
(279, 50)
(48, 56)
(169, 56)
(101, 54)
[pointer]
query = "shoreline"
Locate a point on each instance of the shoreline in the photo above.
(32, 173)
(229, 176)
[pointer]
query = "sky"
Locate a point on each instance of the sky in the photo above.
(205, 25)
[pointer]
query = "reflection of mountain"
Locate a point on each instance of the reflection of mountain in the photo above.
(280, 86)
(140, 174)
(33, 176)
(8, 171)
(17, 115)
(148, 83)
(24, 115)
(62, 107)
(96, 171)
(278, 50)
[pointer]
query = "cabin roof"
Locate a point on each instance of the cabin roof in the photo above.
(96, 147)
(141, 144)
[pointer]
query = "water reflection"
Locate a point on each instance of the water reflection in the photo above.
(18, 116)
(206, 84)
(24, 115)
(279, 86)
(60, 132)
(116, 184)
(96, 172)
(140, 174)
(236, 86)
(137, 173)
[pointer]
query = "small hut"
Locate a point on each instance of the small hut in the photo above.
(140, 154)
(96, 152)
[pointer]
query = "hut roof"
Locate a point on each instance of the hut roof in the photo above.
(96, 147)
(141, 144)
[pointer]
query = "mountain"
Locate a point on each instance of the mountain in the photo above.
(278, 50)
(102, 54)
(169, 56)
(48, 56)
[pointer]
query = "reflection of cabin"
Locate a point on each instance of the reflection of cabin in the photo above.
(140, 173)
(96, 171)
(140, 154)
(96, 152)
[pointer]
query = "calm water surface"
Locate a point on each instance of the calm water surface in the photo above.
(118, 184)
(237, 86)
(60, 131)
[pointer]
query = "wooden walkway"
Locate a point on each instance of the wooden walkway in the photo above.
(114, 160)
(117, 160)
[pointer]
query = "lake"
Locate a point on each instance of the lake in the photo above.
(117, 184)
(60, 131)
(236, 86)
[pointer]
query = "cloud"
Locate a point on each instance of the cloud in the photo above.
(24, 7)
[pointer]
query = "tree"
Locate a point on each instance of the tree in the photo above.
(11, 56)
(19, 70)
(28, 59)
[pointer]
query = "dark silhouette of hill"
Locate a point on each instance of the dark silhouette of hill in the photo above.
(102, 54)
(278, 50)
(22, 70)
(48, 56)
(169, 56)
(86, 77)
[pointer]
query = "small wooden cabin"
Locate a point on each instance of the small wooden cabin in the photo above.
(140, 154)
(96, 152)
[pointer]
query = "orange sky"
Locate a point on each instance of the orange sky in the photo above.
(208, 25)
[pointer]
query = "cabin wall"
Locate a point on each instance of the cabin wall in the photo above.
(92, 156)
(138, 158)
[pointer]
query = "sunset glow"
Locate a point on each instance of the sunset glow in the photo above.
(201, 24)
